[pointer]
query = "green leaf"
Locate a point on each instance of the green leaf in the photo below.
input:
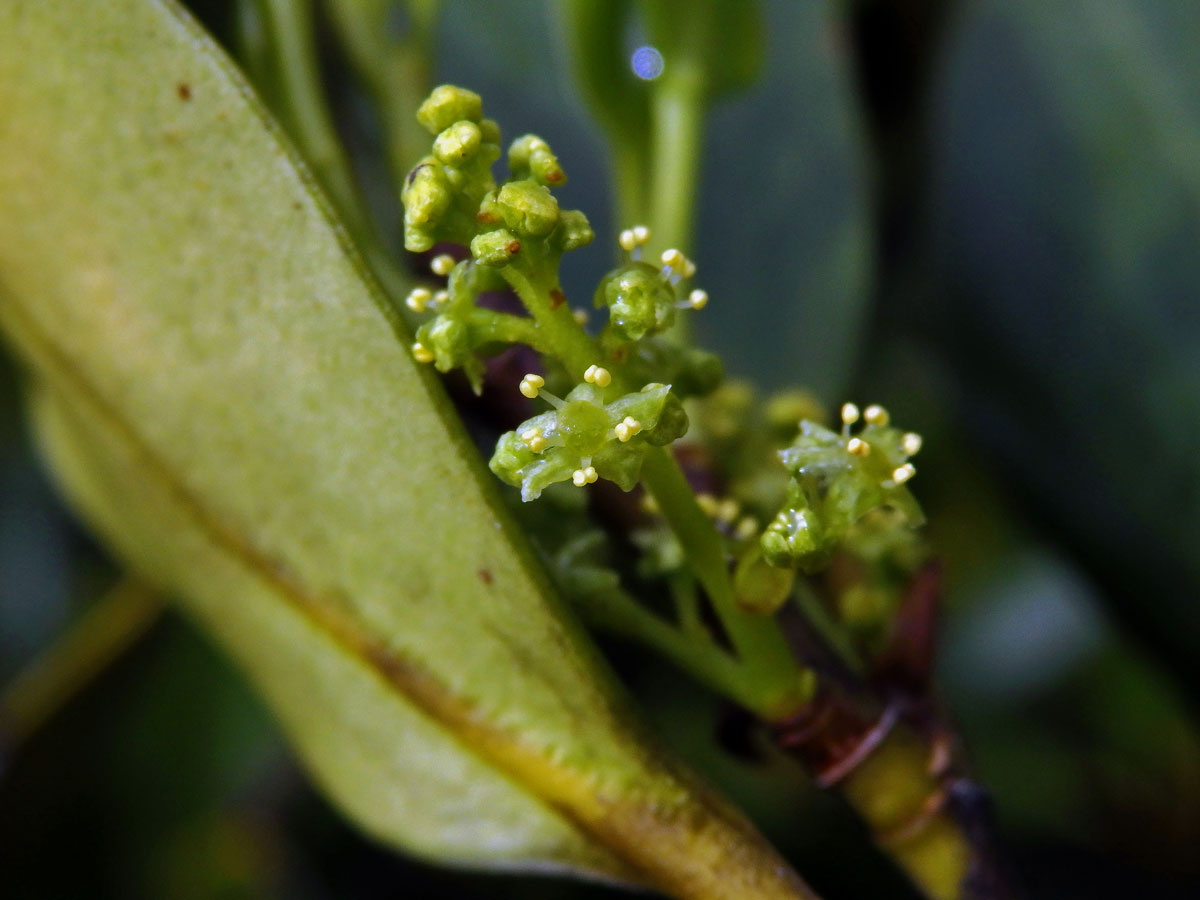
(227, 398)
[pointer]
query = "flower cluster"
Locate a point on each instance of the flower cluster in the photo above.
(516, 235)
(452, 197)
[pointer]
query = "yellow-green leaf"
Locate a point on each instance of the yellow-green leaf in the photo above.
(228, 400)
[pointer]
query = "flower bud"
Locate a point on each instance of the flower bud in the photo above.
(448, 340)
(526, 207)
(495, 248)
(531, 157)
(490, 131)
(795, 538)
(639, 301)
(447, 104)
(760, 587)
(426, 198)
(574, 230)
(458, 144)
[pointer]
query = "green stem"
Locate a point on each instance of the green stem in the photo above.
(677, 113)
(507, 329)
(687, 604)
(619, 613)
(830, 631)
(73, 661)
(629, 178)
(566, 340)
(300, 104)
(782, 684)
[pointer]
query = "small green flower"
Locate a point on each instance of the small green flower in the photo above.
(583, 438)
(452, 339)
(639, 300)
(836, 479)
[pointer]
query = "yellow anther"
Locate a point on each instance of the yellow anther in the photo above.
(650, 505)
(531, 384)
(850, 414)
(675, 259)
(632, 238)
(441, 264)
(418, 299)
(598, 375)
(911, 444)
(709, 504)
(534, 439)
(689, 268)
(583, 476)
(440, 298)
(904, 473)
(421, 353)
(876, 415)
(698, 299)
(728, 509)
(627, 428)
(858, 447)
(746, 528)
(581, 316)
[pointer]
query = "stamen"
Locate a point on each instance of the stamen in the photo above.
(440, 298)
(650, 505)
(728, 509)
(531, 385)
(581, 316)
(904, 473)
(534, 439)
(597, 375)
(675, 266)
(441, 264)
(421, 353)
(585, 475)
(418, 299)
(876, 415)
(627, 428)
(673, 258)
(697, 299)
(633, 239)
(858, 447)
(709, 504)
(911, 444)
(850, 414)
(746, 528)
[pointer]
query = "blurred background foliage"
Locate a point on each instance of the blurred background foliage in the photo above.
(982, 213)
